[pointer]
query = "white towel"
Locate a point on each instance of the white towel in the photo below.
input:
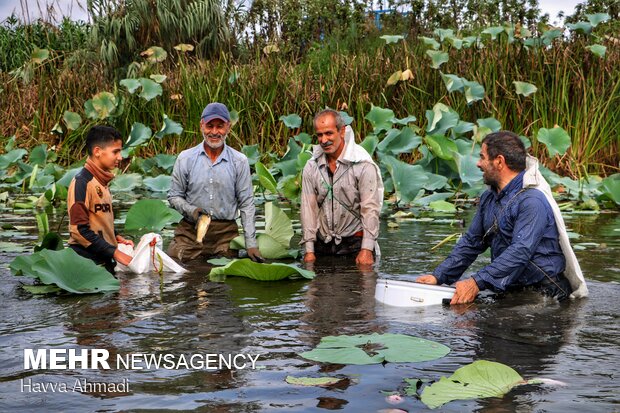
(533, 179)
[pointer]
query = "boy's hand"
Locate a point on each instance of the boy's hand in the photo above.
(122, 240)
(122, 258)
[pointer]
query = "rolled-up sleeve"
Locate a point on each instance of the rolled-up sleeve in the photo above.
(508, 266)
(370, 205)
(178, 189)
(245, 199)
(309, 209)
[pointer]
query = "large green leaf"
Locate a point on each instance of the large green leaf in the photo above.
(131, 84)
(165, 161)
(68, 177)
(452, 82)
(399, 141)
(169, 127)
(444, 34)
(466, 159)
(597, 18)
(269, 247)
(38, 155)
(292, 121)
(289, 164)
(73, 273)
(278, 224)
(493, 124)
(24, 264)
(325, 381)
(524, 88)
(408, 179)
(252, 153)
(479, 379)
(597, 49)
(370, 143)
(12, 157)
(150, 215)
(72, 120)
(441, 146)
(440, 119)
(154, 54)
(556, 140)
(474, 91)
(583, 27)
(375, 348)
(442, 206)
(493, 31)
(139, 134)
(265, 178)
(101, 106)
(429, 41)
(150, 89)
(380, 118)
(160, 183)
(437, 58)
(610, 187)
(126, 182)
(262, 272)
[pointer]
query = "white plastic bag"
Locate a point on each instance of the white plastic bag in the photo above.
(148, 256)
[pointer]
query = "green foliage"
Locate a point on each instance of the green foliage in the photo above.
(150, 215)
(262, 272)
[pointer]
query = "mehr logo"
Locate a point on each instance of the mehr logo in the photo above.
(61, 359)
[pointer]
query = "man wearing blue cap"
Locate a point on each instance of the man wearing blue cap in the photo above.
(212, 179)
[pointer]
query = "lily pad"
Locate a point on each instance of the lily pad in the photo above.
(73, 273)
(325, 381)
(375, 348)
(252, 153)
(12, 157)
(392, 38)
(101, 106)
(41, 289)
(380, 118)
(597, 49)
(442, 206)
(169, 127)
(150, 215)
(150, 89)
(265, 178)
(480, 379)
(24, 264)
(408, 179)
(154, 54)
(262, 272)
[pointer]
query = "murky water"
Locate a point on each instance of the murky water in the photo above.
(576, 342)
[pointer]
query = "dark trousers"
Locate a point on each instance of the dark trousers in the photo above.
(557, 287)
(348, 246)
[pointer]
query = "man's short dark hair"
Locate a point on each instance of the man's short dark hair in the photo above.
(101, 136)
(509, 145)
(332, 112)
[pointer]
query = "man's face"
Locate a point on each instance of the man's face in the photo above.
(329, 137)
(109, 157)
(214, 132)
(490, 173)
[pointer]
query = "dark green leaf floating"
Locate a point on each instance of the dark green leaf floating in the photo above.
(375, 348)
(261, 272)
(477, 380)
(65, 269)
(150, 215)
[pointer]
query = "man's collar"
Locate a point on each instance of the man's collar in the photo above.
(514, 185)
(224, 156)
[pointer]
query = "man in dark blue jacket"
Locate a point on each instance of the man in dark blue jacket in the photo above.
(516, 222)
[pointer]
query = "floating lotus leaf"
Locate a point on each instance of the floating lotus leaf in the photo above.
(261, 272)
(480, 379)
(150, 215)
(313, 381)
(375, 348)
(442, 206)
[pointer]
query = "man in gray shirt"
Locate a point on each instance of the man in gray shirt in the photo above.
(212, 179)
(342, 194)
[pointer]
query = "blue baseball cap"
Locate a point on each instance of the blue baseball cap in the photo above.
(215, 110)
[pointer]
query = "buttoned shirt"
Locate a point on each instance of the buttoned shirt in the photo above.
(524, 243)
(219, 188)
(338, 206)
